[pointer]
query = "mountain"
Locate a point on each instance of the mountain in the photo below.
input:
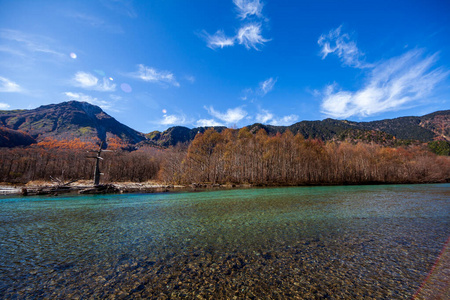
(14, 138)
(324, 130)
(434, 126)
(175, 135)
(426, 128)
(82, 120)
(68, 120)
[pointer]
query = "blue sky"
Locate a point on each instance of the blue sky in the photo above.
(160, 63)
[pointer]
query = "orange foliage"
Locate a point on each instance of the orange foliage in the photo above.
(74, 144)
(285, 159)
(115, 143)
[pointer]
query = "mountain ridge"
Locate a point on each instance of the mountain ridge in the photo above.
(426, 128)
(74, 119)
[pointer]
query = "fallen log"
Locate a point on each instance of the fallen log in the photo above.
(101, 189)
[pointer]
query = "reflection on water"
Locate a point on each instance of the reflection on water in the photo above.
(305, 242)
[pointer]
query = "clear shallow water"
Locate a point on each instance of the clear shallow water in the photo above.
(304, 242)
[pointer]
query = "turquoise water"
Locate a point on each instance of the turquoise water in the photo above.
(305, 242)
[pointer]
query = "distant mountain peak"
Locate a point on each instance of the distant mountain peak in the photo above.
(71, 119)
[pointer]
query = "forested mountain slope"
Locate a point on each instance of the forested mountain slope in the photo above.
(435, 126)
(68, 120)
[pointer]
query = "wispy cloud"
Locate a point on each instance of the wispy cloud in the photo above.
(231, 116)
(190, 78)
(28, 42)
(4, 106)
(150, 74)
(246, 8)
(90, 82)
(8, 86)
(115, 97)
(124, 7)
(87, 98)
(263, 88)
(266, 117)
(95, 22)
(218, 39)
(285, 121)
(339, 43)
(10, 50)
(246, 93)
(173, 120)
(267, 85)
(390, 85)
(208, 123)
(250, 36)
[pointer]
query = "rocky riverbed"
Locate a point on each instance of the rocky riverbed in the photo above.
(284, 243)
(310, 269)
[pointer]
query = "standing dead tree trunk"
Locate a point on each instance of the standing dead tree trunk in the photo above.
(97, 172)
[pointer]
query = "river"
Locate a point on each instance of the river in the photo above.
(339, 242)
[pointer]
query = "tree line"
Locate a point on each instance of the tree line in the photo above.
(285, 159)
(70, 160)
(231, 156)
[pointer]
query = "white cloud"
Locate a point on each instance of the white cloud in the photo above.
(231, 116)
(208, 123)
(150, 74)
(266, 117)
(90, 82)
(285, 121)
(8, 86)
(250, 36)
(218, 40)
(247, 94)
(249, 8)
(115, 97)
(340, 44)
(85, 80)
(4, 105)
(391, 85)
(263, 88)
(172, 120)
(87, 98)
(267, 85)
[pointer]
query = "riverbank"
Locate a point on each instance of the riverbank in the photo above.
(82, 186)
(86, 187)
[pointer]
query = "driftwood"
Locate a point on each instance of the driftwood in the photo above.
(56, 190)
(61, 183)
(60, 188)
(52, 190)
(101, 189)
